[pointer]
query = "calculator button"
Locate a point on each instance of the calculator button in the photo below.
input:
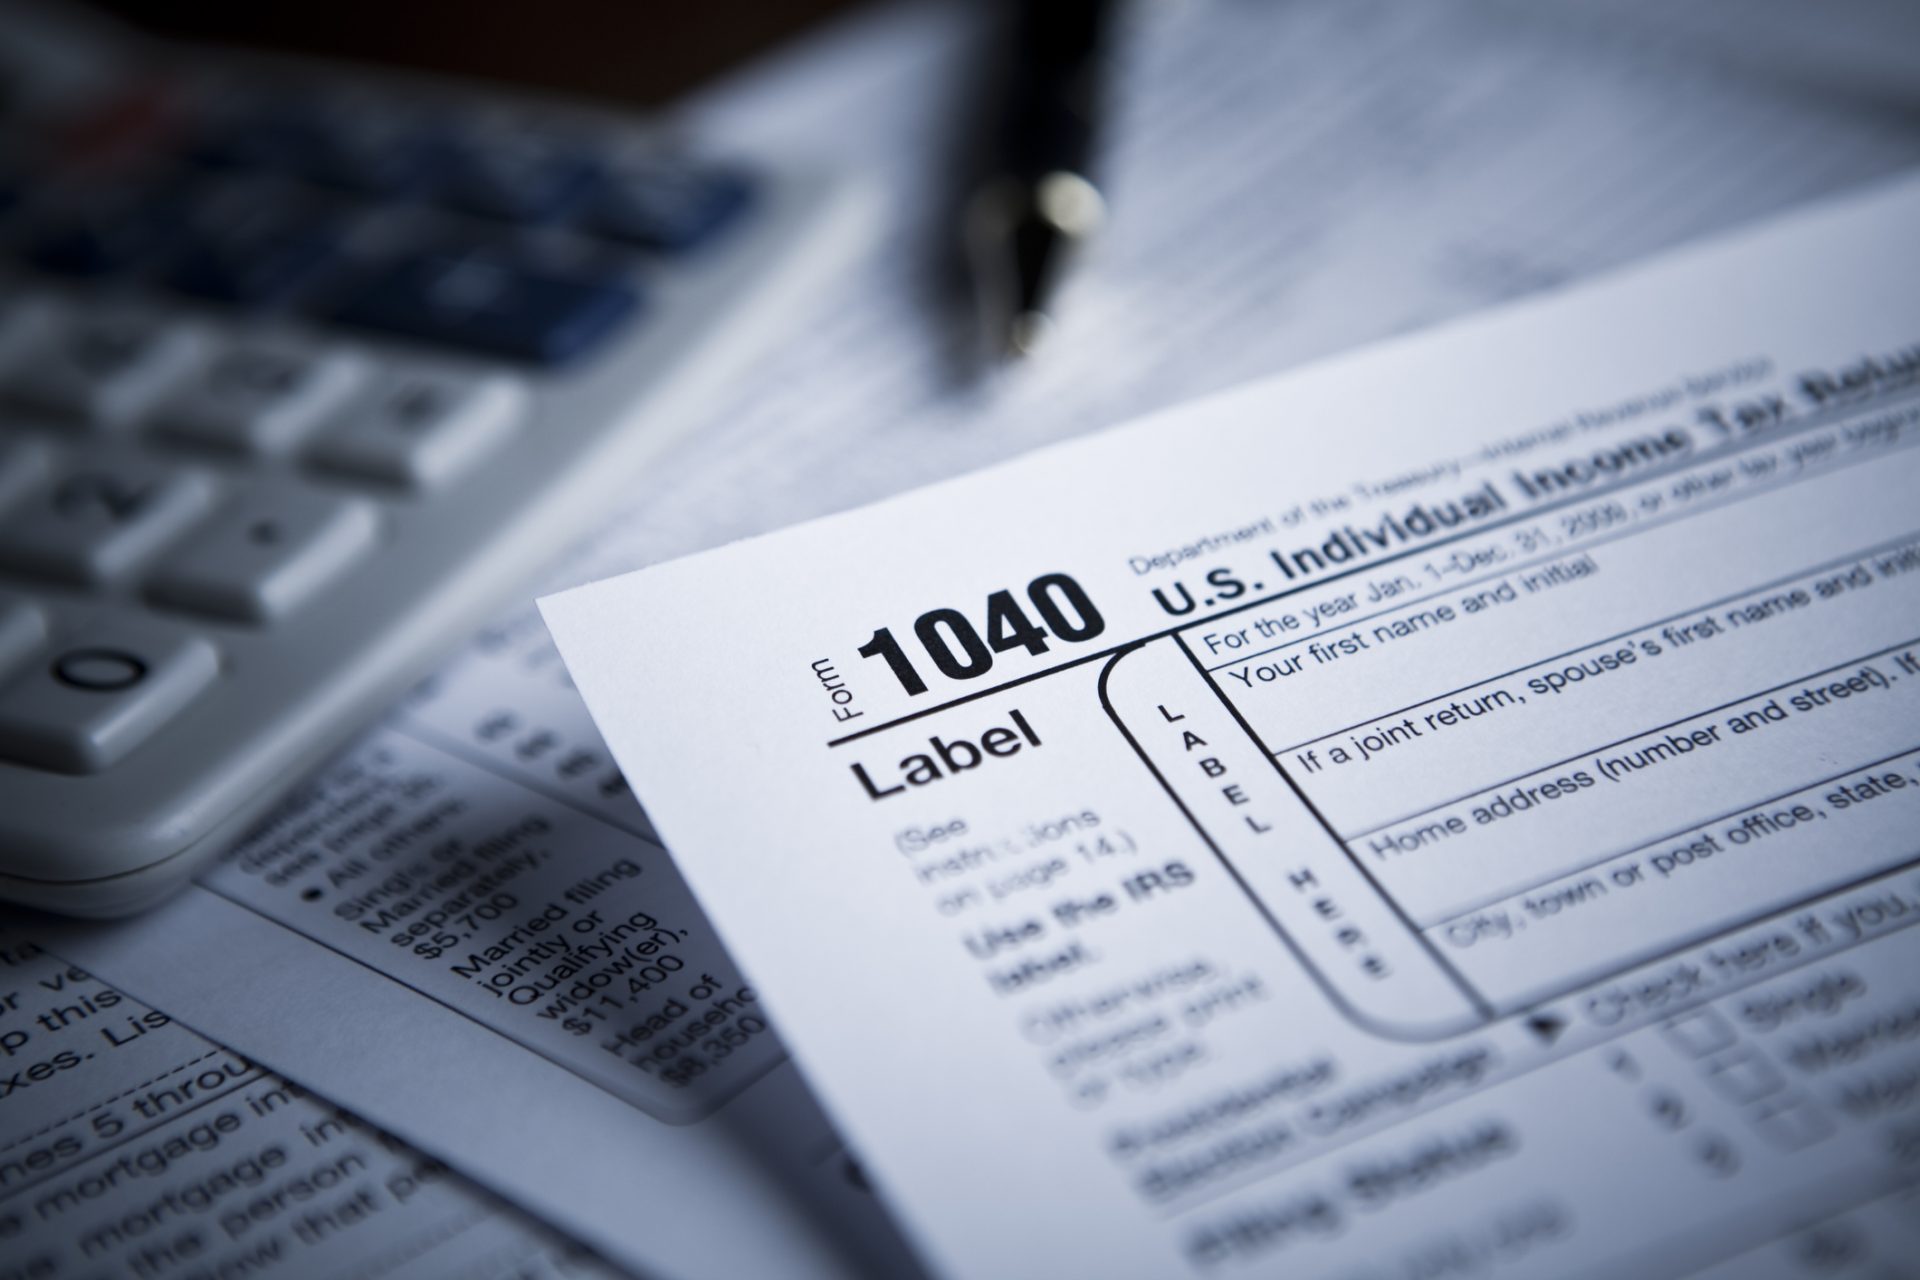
(102, 368)
(670, 208)
(489, 303)
(352, 146)
(260, 396)
(267, 554)
(420, 427)
(98, 518)
(92, 701)
(256, 265)
(22, 320)
(107, 232)
(364, 148)
(22, 463)
(22, 630)
(516, 179)
(246, 134)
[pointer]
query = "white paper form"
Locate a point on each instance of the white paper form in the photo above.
(1254, 245)
(131, 1146)
(1451, 807)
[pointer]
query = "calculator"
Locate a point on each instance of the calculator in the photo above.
(302, 372)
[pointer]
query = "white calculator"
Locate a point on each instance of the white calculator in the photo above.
(301, 374)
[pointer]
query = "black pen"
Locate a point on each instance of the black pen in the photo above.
(1027, 220)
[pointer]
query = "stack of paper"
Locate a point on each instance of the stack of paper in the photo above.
(1070, 1012)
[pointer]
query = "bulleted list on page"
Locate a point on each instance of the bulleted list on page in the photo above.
(566, 933)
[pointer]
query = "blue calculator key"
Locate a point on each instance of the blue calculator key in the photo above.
(105, 235)
(339, 149)
(486, 302)
(511, 182)
(259, 266)
(387, 163)
(266, 137)
(671, 208)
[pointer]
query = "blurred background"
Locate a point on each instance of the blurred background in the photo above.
(1284, 179)
(633, 54)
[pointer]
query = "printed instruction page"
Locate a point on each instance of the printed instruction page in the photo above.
(131, 1146)
(514, 978)
(1446, 811)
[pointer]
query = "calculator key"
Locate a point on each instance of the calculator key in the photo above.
(106, 233)
(489, 303)
(516, 179)
(102, 367)
(23, 318)
(368, 150)
(421, 428)
(101, 517)
(670, 208)
(260, 395)
(97, 698)
(248, 134)
(256, 265)
(351, 146)
(22, 630)
(267, 554)
(22, 463)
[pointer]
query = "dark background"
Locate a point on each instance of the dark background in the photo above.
(636, 52)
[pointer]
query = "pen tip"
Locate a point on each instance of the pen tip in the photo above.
(1027, 333)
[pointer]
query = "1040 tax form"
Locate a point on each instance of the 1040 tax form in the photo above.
(1447, 811)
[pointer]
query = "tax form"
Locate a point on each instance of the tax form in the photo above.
(1449, 810)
